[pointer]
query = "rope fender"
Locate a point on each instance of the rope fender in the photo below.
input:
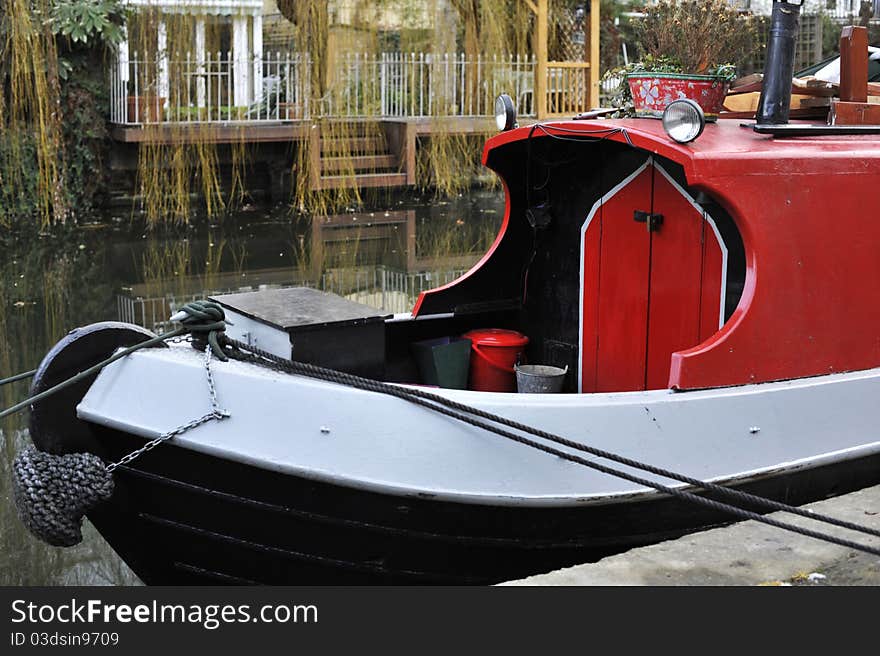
(53, 493)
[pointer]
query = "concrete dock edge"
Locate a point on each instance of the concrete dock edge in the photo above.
(745, 553)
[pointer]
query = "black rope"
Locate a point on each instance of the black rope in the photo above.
(205, 320)
(605, 132)
(53, 492)
(467, 415)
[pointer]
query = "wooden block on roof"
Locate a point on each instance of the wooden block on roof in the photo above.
(748, 102)
(813, 101)
(813, 86)
(854, 65)
(853, 113)
(746, 84)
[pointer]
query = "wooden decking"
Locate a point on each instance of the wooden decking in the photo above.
(281, 131)
(217, 133)
(375, 153)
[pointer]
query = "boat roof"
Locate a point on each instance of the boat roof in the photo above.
(720, 150)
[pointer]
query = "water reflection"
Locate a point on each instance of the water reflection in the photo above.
(46, 287)
(113, 270)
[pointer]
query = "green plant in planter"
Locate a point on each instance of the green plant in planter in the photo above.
(683, 38)
(621, 96)
(698, 34)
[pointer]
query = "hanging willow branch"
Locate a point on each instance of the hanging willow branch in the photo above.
(30, 110)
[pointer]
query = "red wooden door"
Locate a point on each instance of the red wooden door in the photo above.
(647, 293)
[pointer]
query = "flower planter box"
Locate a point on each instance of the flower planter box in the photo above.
(288, 111)
(146, 109)
(652, 92)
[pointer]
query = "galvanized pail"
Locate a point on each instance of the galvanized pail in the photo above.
(539, 379)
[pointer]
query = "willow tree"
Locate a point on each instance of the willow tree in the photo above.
(311, 18)
(47, 53)
(178, 159)
(493, 32)
(178, 162)
(30, 112)
(313, 40)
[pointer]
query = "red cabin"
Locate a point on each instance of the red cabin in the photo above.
(643, 263)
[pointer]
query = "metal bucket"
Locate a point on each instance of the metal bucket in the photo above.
(539, 378)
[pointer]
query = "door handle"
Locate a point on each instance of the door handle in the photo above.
(652, 221)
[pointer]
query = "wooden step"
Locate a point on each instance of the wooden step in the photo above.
(352, 128)
(358, 163)
(363, 180)
(363, 145)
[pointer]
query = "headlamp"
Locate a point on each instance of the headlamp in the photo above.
(683, 120)
(505, 113)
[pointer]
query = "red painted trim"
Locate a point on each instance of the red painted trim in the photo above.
(501, 232)
(645, 134)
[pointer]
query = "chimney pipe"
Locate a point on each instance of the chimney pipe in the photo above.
(774, 105)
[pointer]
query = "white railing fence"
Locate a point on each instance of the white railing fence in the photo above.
(844, 10)
(422, 84)
(217, 87)
(608, 88)
(184, 89)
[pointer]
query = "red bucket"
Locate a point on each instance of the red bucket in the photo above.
(494, 351)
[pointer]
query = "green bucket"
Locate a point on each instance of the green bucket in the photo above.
(444, 361)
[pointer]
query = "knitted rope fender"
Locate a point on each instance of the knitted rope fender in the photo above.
(53, 493)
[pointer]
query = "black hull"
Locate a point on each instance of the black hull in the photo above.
(179, 518)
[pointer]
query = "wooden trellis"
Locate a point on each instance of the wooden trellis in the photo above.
(563, 88)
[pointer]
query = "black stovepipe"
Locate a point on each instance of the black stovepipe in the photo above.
(774, 105)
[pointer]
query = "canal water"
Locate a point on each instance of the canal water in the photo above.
(113, 268)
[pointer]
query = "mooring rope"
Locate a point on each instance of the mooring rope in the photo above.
(22, 376)
(88, 372)
(469, 414)
(204, 319)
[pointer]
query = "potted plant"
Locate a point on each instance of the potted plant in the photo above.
(146, 108)
(689, 50)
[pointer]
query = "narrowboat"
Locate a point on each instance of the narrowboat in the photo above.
(711, 300)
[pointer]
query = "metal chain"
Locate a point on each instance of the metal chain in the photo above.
(216, 413)
(182, 339)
